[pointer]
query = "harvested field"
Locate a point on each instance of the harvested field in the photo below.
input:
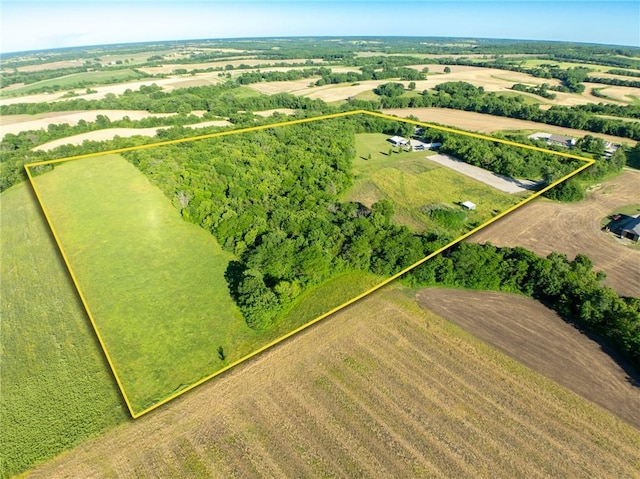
(235, 62)
(51, 66)
(382, 389)
(168, 84)
(544, 226)
(17, 123)
(110, 133)
(535, 335)
(297, 87)
(482, 123)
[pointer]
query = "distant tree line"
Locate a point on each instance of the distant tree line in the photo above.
(570, 287)
(464, 96)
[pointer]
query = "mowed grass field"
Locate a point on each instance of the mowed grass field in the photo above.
(414, 184)
(154, 283)
(57, 389)
(382, 389)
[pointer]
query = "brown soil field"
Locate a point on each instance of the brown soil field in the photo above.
(382, 389)
(544, 226)
(110, 133)
(537, 336)
(482, 123)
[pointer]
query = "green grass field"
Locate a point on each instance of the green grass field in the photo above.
(57, 389)
(77, 80)
(155, 284)
(414, 183)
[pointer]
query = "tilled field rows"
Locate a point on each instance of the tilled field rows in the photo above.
(383, 389)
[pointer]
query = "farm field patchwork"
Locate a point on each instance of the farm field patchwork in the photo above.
(167, 300)
(57, 389)
(384, 389)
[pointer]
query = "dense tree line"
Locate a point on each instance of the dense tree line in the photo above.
(272, 198)
(613, 81)
(570, 287)
(540, 90)
(464, 96)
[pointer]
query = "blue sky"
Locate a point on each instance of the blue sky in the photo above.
(29, 24)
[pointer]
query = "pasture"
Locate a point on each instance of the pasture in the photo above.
(154, 283)
(382, 389)
(417, 185)
(77, 80)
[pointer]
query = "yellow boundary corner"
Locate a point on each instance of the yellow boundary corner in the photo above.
(587, 162)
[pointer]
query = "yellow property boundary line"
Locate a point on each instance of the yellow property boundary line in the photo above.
(134, 414)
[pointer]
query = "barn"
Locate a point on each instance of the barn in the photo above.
(631, 229)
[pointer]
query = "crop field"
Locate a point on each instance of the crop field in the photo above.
(110, 133)
(159, 290)
(414, 184)
(384, 389)
(538, 337)
(576, 228)
(57, 389)
(483, 123)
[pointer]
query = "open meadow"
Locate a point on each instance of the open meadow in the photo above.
(381, 389)
(154, 284)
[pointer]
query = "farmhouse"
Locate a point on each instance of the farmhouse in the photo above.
(631, 229)
(468, 205)
(398, 141)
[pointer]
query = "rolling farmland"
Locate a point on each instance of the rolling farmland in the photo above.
(383, 388)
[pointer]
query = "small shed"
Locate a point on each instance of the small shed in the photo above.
(468, 205)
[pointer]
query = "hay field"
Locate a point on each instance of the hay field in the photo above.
(382, 389)
(110, 133)
(17, 123)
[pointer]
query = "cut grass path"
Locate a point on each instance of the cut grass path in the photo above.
(154, 283)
